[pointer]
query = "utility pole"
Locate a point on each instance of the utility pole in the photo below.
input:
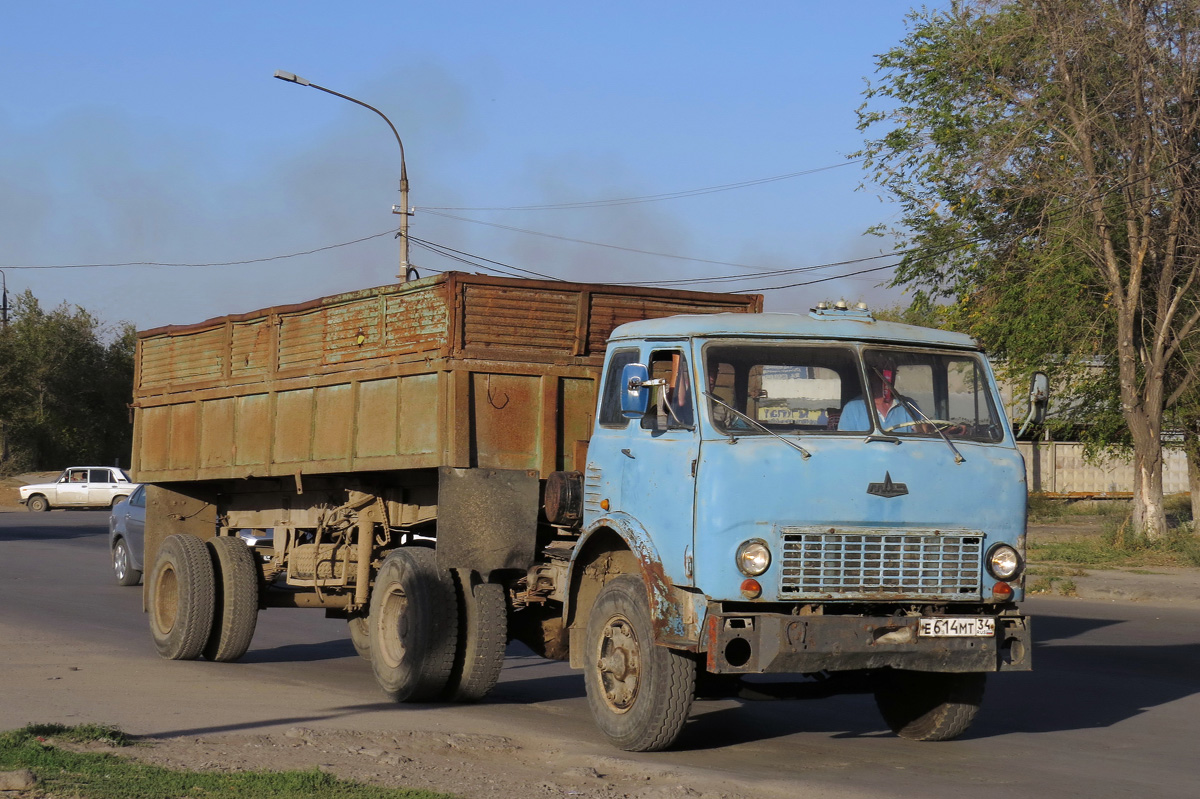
(407, 270)
(4, 299)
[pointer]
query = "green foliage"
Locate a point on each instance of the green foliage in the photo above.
(1045, 155)
(92, 775)
(65, 381)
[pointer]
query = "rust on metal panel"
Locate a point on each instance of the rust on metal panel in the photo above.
(293, 426)
(576, 407)
(250, 348)
(666, 611)
(583, 321)
(550, 413)
(374, 379)
(377, 418)
(217, 429)
(333, 416)
(504, 414)
(418, 414)
(352, 332)
(184, 438)
(518, 317)
(253, 439)
(301, 340)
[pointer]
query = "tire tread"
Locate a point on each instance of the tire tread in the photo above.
(235, 611)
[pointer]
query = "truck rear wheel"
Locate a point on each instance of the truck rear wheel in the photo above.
(482, 639)
(929, 706)
(639, 693)
(414, 626)
(235, 613)
(181, 593)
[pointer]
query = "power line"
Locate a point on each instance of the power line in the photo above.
(648, 198)
(591, 243)
(219, 263)
(462, 257)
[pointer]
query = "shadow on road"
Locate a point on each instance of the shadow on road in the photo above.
(41, 528)
(301, 653)
(1072, 687)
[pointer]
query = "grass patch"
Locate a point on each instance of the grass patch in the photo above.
(1042, 508)
(101, 775)
(1052, 584)
(1120, 547)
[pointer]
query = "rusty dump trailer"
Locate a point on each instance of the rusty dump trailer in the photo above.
(424, 417)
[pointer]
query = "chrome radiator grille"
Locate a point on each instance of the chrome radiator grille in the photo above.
(852, 563)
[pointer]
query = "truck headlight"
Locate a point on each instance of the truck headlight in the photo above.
(753, 557)
(1003, 562)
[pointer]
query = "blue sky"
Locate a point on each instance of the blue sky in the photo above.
(138, 131)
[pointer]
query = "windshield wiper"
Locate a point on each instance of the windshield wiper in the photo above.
(912, 407)
(761, 427)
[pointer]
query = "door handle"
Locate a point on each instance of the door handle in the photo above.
(628, 454)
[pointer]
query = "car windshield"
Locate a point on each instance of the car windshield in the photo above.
(833, 388)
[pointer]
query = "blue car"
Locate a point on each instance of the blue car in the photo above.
(126, 537)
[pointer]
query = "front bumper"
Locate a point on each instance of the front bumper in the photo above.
(776, 643)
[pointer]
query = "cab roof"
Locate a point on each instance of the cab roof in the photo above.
(853, 325)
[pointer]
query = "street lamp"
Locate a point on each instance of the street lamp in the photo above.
(406, 269)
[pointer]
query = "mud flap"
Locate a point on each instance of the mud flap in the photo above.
(487, 519)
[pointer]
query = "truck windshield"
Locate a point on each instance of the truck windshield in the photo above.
(820, 388)
(784, 387)
(919, 393)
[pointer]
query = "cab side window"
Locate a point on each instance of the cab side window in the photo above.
(671, 404)
(610, 403)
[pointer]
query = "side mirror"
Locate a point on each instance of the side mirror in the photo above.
(1039, 400)
(1039, 397)
(635, 396)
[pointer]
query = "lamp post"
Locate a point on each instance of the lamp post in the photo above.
(4, 298)
(406, 269)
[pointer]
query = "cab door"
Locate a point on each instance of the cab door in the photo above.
(658, 463)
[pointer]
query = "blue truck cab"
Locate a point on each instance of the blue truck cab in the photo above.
(824, 495)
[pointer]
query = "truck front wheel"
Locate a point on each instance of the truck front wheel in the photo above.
(181, 594)
(414, 626)
(926, 705)
(639, 693)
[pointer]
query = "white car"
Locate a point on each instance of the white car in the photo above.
(79, 487)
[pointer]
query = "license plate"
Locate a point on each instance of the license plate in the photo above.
(957, 628)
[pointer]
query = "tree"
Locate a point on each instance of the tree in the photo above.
(1045, 154)
(64, 387)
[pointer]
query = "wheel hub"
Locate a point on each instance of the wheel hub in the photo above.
(393, 628)
(618, 664)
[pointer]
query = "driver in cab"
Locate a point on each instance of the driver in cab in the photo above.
(893, 413)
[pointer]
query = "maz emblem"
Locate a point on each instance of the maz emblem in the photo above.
(887, 488)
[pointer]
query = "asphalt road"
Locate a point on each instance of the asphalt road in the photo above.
(1112, 708)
